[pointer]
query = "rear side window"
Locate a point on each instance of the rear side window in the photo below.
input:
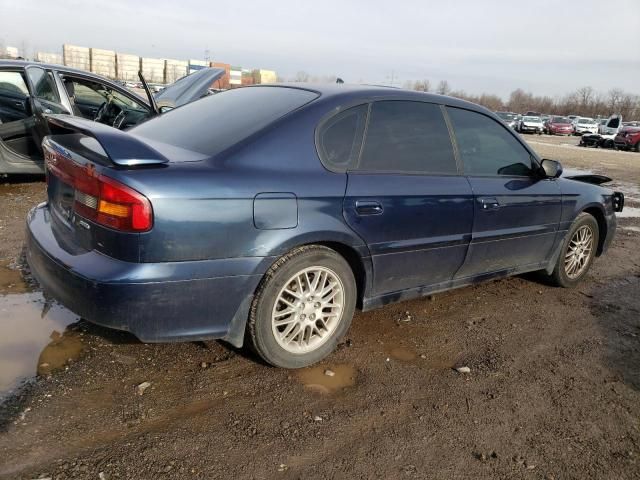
(486, 147)
(43, 84)
(217, 122)
(340, 138)
(407, 137)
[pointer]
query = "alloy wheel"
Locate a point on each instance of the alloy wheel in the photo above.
(308, 309)
(578, 253)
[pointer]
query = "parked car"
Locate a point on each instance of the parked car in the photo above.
(510, 119)
(582, 125)
(606, 137)
(601, 124)
(29, 91)
(559, 126)
(530, 124)
(628, 138)
(276, 223)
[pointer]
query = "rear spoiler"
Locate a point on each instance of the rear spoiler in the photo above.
(122, 148)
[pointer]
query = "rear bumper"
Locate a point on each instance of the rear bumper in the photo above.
(173, 301)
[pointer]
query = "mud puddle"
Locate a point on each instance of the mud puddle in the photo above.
(11, 281)
(403, 354)
(327, 379)
(32, 337)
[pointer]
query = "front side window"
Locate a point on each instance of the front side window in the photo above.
(13, 97)
(340, 138)
(43, 84)
(486, 147)
(407, 137)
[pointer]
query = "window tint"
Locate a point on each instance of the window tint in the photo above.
(43, 84)
(13, 85)
(340, 138)
(217, 122)
(13, 105)
(486, 147)
(407, 137)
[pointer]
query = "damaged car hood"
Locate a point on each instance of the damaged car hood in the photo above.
(586, 177)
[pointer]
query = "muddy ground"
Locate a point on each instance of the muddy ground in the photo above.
(553, 392)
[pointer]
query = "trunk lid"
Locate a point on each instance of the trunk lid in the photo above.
(90, 209)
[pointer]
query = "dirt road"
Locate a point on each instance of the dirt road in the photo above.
(553, 391)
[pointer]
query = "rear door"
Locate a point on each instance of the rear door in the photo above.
(516, 213)
(406, 199)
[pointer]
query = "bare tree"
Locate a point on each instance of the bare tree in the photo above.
(422, 85)
(443, 88)
(614, 97)
(301, 76)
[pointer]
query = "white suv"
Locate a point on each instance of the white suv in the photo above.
(583, 125)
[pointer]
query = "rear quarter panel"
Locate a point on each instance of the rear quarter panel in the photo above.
(205, 210)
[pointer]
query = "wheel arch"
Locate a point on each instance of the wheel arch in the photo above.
(597, 212)
(355, 261)
(360, 265)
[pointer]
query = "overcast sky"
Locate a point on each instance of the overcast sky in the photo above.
(493, 46)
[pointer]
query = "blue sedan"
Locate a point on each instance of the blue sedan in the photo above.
(270, 213)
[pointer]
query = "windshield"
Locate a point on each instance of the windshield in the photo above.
(217, 122)
(506, 116)
(531, 119)
(585, 120)
(561, 120)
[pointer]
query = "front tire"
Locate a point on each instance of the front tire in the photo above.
(303, 306)
(577, 252)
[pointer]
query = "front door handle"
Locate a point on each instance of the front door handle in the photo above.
(367, 207)
(489, 203)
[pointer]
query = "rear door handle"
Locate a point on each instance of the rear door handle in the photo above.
(367, 207)
(489, 203)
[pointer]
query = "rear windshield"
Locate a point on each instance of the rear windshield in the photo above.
(213, 124)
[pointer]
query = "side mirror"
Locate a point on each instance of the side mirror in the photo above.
(551, 168)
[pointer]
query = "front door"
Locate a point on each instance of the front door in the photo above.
(406, 199)
(18, 123)
(516, 212)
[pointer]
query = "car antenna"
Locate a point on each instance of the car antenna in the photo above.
(152, 101)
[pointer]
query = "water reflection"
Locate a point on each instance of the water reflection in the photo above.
(32, 336)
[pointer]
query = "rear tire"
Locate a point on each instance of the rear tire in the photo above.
(303, 306)
(577, 252)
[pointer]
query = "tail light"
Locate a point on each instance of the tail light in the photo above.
(112, 204)
(99, 198)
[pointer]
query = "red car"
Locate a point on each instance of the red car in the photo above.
(559, 126)
(628, 139)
